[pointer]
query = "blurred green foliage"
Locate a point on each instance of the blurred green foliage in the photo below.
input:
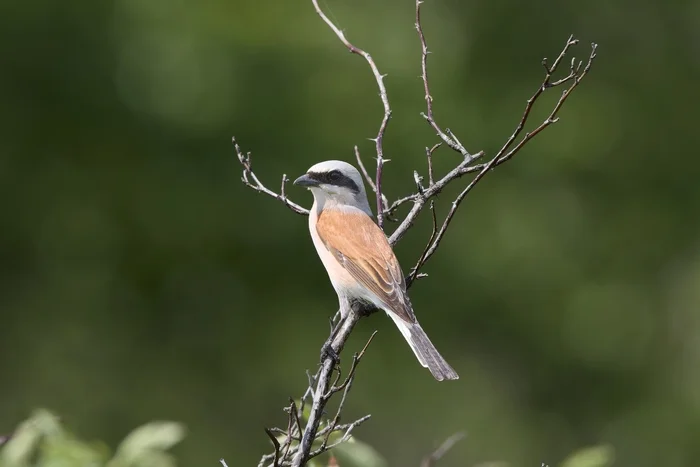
(139, 280)
(41, 441)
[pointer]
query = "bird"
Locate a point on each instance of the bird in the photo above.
(358, 258)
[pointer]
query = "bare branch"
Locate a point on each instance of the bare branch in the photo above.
(435, 239)
(322, 393)
(547, 84)
(389, 212)
(448, 137)
(442, 450)
(543, 87)
(276, 444)
(419, 200)
(429, 154)
(293, 428)
(414, 272)
(385, 102)
(365, 174)
(346, 436)
(251, 180)
(369, 180)
(296, 449)
(355, 361)
(501, 156)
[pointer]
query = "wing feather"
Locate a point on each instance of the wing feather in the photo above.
(360, 246)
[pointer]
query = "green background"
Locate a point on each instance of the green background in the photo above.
(140, 280)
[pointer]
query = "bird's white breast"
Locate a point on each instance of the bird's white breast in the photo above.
(344, 284)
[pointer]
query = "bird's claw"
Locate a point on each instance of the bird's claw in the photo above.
(327, 352)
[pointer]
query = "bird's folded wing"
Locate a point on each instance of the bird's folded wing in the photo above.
(361, 247)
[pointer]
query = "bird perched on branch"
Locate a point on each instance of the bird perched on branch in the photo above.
(358, 258)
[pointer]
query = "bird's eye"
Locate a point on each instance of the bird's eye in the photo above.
(334, 175)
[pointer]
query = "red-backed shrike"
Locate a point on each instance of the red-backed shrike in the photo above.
(358, 258)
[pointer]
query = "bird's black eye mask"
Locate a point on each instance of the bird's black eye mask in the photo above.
(336, 178)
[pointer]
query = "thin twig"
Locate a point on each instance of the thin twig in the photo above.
(346, 436)
(385, 102)
(396, 204)
(435, 239)
(552, 118)
(295, 416)
(448, 444)
(291, 425)
(276, 444)
(369, 180)
(309, 390)
(365, 174)
(336, 419)
(414, 272)
(543, 87)
(448, 138)
(284, 182)
(355, 361)
(500, 157)
(419, 201)
(429, 154)
(251, 180)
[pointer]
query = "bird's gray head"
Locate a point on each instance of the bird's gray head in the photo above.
(335, 182)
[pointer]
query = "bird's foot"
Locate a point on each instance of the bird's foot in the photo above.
(327, 352)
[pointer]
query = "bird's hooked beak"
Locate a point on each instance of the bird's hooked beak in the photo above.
(306, 180)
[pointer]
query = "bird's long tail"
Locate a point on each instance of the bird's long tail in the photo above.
(425, 351)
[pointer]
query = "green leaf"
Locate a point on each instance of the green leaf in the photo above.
(27, 436)
(595, 456)
(146, 445)
(66, 451)
(358, 453)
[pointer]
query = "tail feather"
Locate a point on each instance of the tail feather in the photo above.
(425, 351)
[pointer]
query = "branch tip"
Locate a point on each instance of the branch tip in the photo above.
(448, 444)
